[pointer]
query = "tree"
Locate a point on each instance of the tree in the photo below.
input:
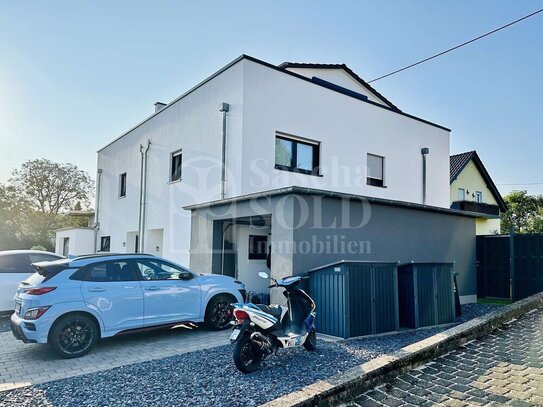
(524, 214)
(34, 202)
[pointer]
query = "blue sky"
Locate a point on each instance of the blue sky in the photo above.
(76, 74)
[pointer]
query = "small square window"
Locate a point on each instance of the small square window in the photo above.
(122, 185)
(376, 170)
(105, 242)
(258, 247)
(176, 161)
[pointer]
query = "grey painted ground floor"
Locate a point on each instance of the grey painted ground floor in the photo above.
(310, 229)
(503, 368)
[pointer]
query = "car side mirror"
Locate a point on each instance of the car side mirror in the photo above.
(185, 275)
(263, 275)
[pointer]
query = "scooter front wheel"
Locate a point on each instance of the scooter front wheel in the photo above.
(247, 354)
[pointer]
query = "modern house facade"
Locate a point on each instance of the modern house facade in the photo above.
(289, 167)
(472, 189)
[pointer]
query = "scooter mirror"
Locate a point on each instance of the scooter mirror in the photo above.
(263, 275)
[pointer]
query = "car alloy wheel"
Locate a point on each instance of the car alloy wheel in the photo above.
(76, 336)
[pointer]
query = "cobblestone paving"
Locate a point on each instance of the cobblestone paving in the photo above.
(503, 368)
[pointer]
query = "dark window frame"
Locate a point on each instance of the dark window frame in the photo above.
(175, 175)
(254, 240)
(122, 185)
(315, 145)
(159, 262)
(104, 247)
(376, 182)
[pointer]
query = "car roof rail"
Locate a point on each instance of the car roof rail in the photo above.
(97, 255)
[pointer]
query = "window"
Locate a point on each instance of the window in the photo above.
(295, 155)
(159, 270)
(479, 197)
(105, 242)
(376, 170)
(15, 263)
(176, 160)
(461, 194)
(65, 246)
(110, 271)
(258, 247)
(122, 185)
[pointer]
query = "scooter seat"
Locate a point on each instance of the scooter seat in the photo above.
(274, 310)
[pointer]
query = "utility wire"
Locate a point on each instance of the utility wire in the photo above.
(526, 183)
(457, 46)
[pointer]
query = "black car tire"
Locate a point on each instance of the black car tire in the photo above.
(217, 317)
(73, 335)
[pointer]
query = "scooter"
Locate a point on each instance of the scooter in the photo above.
(260, 330)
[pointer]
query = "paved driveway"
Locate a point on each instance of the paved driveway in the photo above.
(503, 368)
(25, 364)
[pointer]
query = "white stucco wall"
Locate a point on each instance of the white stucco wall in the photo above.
(193, 124)
(348, 129)
(338, 77)
(81, 241)
(262, 101)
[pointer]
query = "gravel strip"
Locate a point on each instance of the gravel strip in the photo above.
(209, 377)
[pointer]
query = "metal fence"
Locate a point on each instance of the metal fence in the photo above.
(509, 266)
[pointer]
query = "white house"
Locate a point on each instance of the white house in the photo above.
(255, 130)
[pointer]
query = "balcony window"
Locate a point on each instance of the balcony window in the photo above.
(376, 170)
(292, 154)
(461, 194)
(479, 197)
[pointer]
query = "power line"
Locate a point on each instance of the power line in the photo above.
(457, 46)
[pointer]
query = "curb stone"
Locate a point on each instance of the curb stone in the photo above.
(343, 386)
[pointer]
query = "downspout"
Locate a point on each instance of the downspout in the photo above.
(224, 108)
(143, 195)
(424, 151)
(97, 208)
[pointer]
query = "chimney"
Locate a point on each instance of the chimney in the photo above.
(159, 106)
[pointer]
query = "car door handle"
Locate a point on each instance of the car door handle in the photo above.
(153, 288)
(97, 290)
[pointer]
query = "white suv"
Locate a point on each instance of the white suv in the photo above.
(15, 266)
(72, 303)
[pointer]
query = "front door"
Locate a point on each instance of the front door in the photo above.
(171, 293)
(112, 288)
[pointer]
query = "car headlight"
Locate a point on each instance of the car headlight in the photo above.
(35, 313)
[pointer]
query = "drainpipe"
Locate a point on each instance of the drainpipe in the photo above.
(424, 151)
(224, 108)
(143, 195)
(97, 208)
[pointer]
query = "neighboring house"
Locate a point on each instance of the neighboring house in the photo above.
(473, 190)
(306, 159)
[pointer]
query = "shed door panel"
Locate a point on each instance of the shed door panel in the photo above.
(385, 304)
(360, 299)
(426, 294)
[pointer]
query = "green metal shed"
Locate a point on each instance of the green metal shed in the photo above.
(426, 294)
(355, 298)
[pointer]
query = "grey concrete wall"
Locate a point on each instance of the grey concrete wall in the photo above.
(309, 231)
(388, 233)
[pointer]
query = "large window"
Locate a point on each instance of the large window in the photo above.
(122, 185)
(258, 247)
(175, 166)
(376, 170)
(292, 154)
(105, 242)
